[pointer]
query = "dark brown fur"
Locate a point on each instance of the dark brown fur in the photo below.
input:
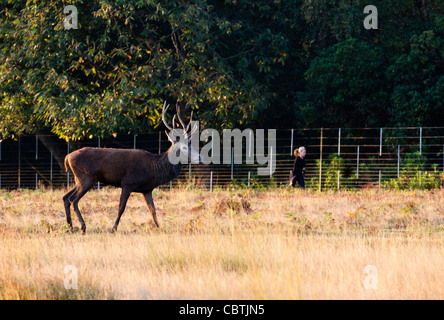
(132, 170)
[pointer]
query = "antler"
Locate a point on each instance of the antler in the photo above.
(186, 128)
(163, 116)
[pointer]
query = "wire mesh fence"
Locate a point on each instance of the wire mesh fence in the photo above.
(337, 158)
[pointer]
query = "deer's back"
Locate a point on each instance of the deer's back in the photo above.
(116, 167)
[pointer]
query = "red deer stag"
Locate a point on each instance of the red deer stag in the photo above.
(132, 170)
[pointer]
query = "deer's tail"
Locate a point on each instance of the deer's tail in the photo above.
(66, 164)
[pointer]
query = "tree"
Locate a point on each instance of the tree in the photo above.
(417, 79)
(344, 86)
(358, 77)
(235, 63)
(113, 74)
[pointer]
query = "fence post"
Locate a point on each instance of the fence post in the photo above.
(379, 179)
(211, 181)
(249, 178)
(134, 142)
(291, 144)
(339, 142)
(320, 161)
(338, 179)
(357, 163)
(420, 141)
(160, 142)
(399, 159)
(380, 142)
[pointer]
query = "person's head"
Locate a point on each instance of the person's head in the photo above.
(301, 152)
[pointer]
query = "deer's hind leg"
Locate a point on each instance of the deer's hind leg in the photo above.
(83, 187)
(68, 205)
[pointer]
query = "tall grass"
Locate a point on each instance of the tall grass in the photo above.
(272, 244)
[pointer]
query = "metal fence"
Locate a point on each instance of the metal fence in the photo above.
(336, 158)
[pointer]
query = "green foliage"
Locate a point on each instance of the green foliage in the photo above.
(418, 79)
(235, 63)
(366, 78)
(256, 183)
(344, 84)
(330, 169)
(412, 174)
(113, 73)
(414, 161)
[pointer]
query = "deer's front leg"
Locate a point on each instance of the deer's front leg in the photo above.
(149, 201)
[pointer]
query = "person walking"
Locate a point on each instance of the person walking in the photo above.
(298, 167)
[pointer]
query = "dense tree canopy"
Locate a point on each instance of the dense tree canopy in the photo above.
(236, 63)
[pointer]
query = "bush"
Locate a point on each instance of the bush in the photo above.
(412, 174)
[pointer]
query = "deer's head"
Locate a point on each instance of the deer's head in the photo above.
(181, 149)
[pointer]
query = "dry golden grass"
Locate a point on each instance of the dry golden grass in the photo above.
(244, 244)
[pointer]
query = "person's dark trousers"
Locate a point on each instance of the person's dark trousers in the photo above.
(300, 181)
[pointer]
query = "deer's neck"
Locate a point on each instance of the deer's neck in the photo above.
(171, 171)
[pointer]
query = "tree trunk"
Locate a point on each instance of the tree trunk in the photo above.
(422, 4)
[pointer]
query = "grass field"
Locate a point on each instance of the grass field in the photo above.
(245, 244)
